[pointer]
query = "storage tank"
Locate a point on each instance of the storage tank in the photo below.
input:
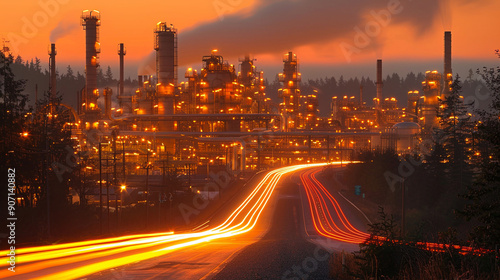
(407, 134)
(166, 53)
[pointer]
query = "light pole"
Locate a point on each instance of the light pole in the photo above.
(403, 208)
(122, 189)
(208, 168)
(100, 186)
(147, 188)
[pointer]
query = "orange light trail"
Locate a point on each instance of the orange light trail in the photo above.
(321, 201)
(77, 259)
(338, 226)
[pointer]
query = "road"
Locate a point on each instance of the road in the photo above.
(270, 235)
(298, 244)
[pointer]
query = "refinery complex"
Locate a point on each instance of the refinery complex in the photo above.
(219, 117)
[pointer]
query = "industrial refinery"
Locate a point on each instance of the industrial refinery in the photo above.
(250, 140)
(219, 117)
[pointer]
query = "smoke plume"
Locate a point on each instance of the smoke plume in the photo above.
(282, 25)
(63, 28)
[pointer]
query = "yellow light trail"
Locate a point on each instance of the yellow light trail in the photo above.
(97, 255)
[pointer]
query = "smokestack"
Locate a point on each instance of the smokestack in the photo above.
(52, 69)
(139, 81)
(448, 74)
(107, 102)
(91, 20)
(166, 54)
(379, 83)
(121, 52)
(447, 53)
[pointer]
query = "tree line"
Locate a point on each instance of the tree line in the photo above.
(395, 85)
(452, 196)
(69, 83)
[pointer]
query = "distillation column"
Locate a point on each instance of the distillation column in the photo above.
(91, 20)
(290, 91)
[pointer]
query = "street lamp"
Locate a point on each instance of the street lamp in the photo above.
(122, 189)
(208, 167)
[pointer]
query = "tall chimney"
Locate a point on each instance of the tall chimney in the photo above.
(447, 53)
(379, 83)
(107, 102)
(52, 68)
(139, 81)
(121, 52)
(91, 20)
(448, 74)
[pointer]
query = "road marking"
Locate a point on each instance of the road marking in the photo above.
(356, 207)
(221, 266)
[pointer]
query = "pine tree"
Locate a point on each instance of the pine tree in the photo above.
(18, 60)
(109, 75)
(470, 76)
(456, 135)
(69, 73)
(13, 102)
(484, 206)
(101, 80)
(37, 65)
(12, 119)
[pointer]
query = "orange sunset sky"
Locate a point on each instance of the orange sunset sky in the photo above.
(316, 31)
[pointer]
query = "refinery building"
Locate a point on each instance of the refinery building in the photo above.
(219, 116)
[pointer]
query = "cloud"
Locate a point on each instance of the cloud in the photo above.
(281, 25)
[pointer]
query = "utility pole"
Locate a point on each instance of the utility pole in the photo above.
(123, 161)
(164, 167)
(147, 188)
(328, 148)
(115, 178)
(100, 186)
(47, 184)
(403, 208)
(107, 192)
(189, 174)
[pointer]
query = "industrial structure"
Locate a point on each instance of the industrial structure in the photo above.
(52, 71)
(290, 92)
(221, 118)
(91, 20)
